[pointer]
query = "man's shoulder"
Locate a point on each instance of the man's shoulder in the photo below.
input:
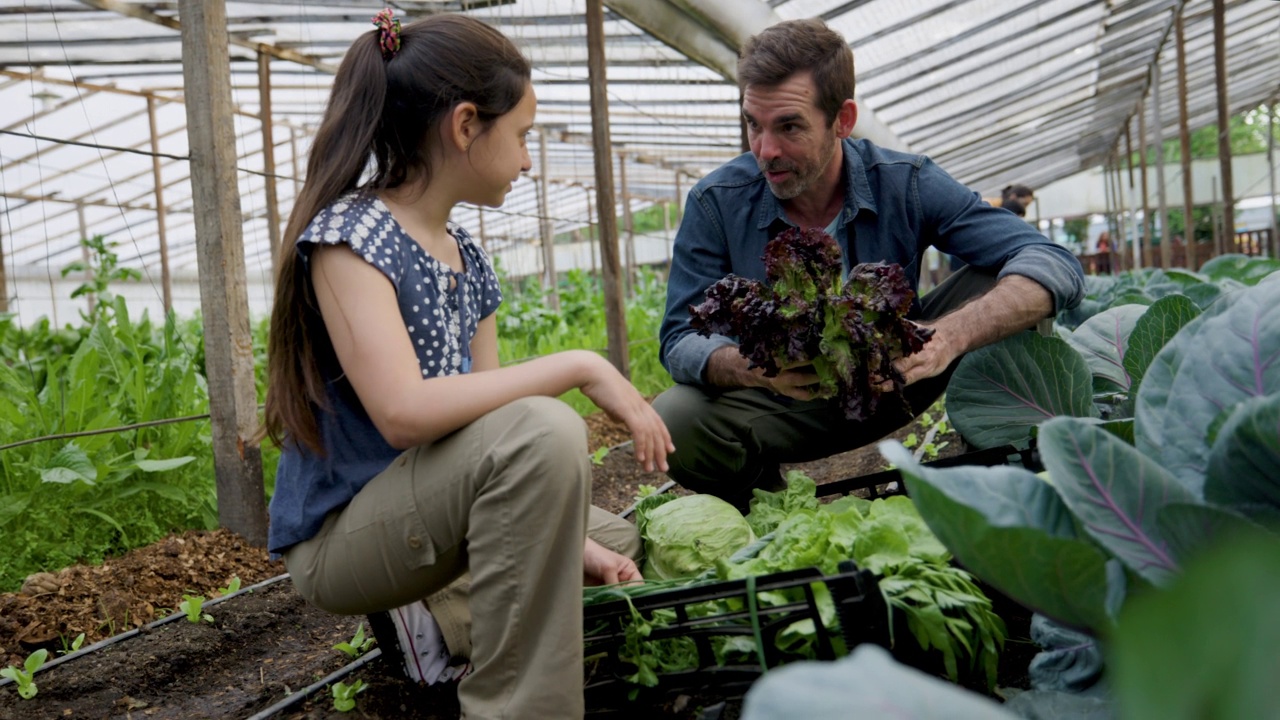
(740, 172)
(874, 156)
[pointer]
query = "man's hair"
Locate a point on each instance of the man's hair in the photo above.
(793, 46)
(1011, 191)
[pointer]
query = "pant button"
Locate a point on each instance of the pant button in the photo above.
(403, 460)
(414, 542)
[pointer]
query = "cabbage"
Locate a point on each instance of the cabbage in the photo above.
(686, 535)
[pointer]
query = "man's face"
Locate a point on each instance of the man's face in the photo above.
(793, 143)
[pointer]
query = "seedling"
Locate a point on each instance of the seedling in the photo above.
(358, 646)
(344, 695)
(597, 457)
(23, 676)
(73, 646)
(191, 605)
(231, 587)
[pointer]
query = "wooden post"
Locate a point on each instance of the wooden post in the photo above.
(1133, 252)
(629, 223)
(1271, 172)
(84, 255)
(550, 280)
(1184, 140)
(293, 163)
(237, 459)
(1166, 234)
(1148, 227)
(269, 157)
(166, 281)
(4, 277)
(615, 317)
(1224, 126)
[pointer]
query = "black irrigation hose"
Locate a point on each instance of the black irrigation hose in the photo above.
(294, 698)
(149, 626)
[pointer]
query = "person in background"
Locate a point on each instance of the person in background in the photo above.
(731, 425)
(412, 466)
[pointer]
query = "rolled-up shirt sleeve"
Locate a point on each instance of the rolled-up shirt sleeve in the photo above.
(700, 258)
(986, 236)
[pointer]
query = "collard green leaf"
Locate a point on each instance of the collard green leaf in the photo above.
(1192, 528)
(1000, 392)
(1012, 530)
(868, 683)
(1103, 341)
(1115, 491)
(1153, 331)
(1240, 268)
(1232, 359)
(1206, 648)
(1244, 463)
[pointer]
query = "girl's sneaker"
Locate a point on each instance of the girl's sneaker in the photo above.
(413, 635)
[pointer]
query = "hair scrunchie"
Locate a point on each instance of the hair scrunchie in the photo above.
(389, 39)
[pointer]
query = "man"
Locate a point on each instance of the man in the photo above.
(731, 425)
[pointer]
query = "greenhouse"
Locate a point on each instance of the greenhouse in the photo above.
(1038, 535)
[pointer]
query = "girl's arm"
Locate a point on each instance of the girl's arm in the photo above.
(369, 337)
(484, 346)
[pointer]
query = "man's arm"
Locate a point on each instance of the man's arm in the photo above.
(727, 368)
(1014, 304)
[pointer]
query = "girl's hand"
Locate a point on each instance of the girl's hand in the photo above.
(602, 566)
(620, 400)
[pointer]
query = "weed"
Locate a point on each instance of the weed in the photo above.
(24, 676)
(74, 645)
(191, 605)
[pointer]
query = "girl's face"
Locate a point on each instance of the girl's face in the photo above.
(499, 155)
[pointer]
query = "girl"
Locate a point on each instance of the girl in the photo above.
(408, 456)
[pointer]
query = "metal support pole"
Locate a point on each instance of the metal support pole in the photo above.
(166, 281)
(1131, 204)
(666, 233)
(615, 316)
(550, 279)
(4, 279)
(679, 200)
(592, 235)
(628, 222)
(1271, 172)
(484, 242)
(269, 157)
(1224, 126)
(1184, 140)
(1166, 235)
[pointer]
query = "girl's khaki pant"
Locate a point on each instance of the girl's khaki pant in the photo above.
(506, 498)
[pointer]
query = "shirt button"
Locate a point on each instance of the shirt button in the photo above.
(414, 542)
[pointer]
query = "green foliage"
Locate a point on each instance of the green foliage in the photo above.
(1248, 135)
(597, 457)
(528, 327)
(70, 647)
(192, 605)
(231, 587)
(104, 269)
(344, 695)
(358, 645)
(23, 676)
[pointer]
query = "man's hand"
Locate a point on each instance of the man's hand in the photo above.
(799, 382)
(728, 369)
(602, 566)
(932, 360)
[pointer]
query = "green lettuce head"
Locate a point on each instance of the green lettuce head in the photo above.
(686, 535)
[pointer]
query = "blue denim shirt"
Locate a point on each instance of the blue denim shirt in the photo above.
(896, 205)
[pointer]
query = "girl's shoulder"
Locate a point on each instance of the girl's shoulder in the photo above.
(469, 245)
(352, 217)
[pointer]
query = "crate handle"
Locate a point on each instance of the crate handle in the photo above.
(755, 622)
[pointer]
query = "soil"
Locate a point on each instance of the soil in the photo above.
(266, 643)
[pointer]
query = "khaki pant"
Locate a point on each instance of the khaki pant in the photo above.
(731, 441)
(505, 498)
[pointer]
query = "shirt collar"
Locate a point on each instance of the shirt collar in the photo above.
(857, 193)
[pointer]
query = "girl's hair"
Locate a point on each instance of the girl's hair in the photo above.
(386, 111)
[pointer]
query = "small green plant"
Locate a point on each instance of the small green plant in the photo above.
(74, 645)
(597, 457)
(358, 646)
(191, 605)
(344, 695)
(231, 587)
(23, 676)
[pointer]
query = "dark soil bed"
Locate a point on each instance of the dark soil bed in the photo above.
(268, 643)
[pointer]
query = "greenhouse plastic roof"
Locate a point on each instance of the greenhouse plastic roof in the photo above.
(996, 91)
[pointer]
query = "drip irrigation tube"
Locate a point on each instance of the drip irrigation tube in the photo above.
(145, 628)
(304, 693)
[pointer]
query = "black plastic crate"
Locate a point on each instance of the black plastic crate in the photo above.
(860, 611)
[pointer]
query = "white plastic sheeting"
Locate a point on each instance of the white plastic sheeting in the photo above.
(996, 91)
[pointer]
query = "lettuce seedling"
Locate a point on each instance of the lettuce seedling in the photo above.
(358, 646)
(850, 329)
(24, 676)
(344, 695)
(231, 587)
(191, 605)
